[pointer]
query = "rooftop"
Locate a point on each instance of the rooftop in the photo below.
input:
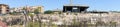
(77, 5)
(4, 4)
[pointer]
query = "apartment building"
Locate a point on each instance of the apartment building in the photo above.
(40, 8)
(4, 9)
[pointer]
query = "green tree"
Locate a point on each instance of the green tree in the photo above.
(48, 12)
(31, 15)
(12, 13)
(36, 11)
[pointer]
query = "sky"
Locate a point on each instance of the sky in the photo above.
(101, 5)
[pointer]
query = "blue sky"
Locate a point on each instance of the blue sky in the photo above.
(103, 5)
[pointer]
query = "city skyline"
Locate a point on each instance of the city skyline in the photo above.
(101, 5)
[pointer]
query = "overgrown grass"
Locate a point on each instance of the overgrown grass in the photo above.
(33, 24)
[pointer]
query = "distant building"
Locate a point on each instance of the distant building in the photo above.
(18, 9)
(4, 9)
(40, 8)
(75, 8)
(28, 8)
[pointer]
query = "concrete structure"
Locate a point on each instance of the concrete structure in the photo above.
(75, 8)
(40, 8)
(4, 9)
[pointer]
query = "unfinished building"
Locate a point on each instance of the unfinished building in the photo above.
(75, 8)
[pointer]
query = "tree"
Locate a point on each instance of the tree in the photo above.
(12, 13)
(34, 23)
(36, 11)
(31, 15)
(48, 12)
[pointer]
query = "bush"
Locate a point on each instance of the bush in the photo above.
(33, 24)
(48, 12)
